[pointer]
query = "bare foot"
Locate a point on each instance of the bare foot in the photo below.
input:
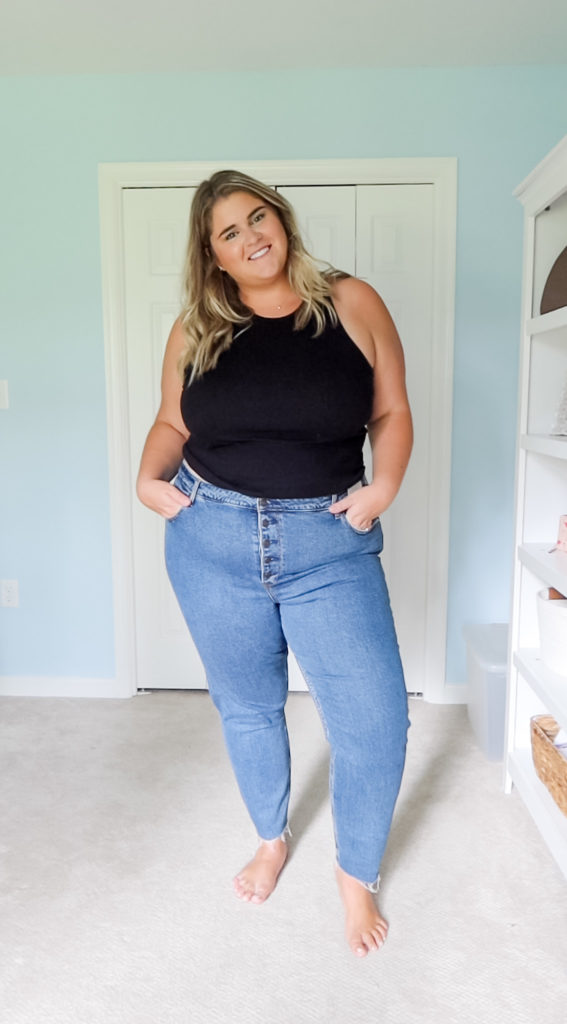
(258, 879)
(366, 930)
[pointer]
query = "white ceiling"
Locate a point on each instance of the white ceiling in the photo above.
(100, 36)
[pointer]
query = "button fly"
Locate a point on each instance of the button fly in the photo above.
(269, 539)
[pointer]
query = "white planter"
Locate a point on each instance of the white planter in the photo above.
(552, 615)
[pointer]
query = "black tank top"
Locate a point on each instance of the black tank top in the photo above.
(283, 414)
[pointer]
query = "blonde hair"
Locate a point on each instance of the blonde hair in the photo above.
(211, 305)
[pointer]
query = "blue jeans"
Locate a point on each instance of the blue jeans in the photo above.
(255, 575)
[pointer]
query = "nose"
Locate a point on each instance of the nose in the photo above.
(254, 232)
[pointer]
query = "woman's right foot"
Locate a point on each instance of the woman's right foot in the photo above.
(258, 878)
(366, 929)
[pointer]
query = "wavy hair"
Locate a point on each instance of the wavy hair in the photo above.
(211, 305)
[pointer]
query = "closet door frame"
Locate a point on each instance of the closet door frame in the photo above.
(439, 172)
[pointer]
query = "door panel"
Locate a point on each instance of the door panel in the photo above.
(395, 235)
(155, 229)
(326, 217)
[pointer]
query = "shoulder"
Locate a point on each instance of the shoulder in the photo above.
(176, 344)
(177, 337)
(358, 298)
(174, 352)
(361, 309)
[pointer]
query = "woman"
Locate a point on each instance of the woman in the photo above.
(271, 376)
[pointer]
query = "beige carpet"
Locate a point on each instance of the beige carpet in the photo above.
(121, 827)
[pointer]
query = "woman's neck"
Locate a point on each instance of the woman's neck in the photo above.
(272, 301)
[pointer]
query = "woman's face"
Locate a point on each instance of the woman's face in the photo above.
(248, 239)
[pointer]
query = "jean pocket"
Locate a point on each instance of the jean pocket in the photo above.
(182, 508)
(361, 533)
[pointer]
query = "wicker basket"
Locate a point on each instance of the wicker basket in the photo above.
(550, 765)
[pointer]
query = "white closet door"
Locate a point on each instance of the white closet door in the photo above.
(155, 232)
(394, 253)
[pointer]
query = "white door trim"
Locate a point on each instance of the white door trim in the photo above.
(442, 173)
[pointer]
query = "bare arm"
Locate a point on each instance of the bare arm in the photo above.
(365, 317)
(163, 449)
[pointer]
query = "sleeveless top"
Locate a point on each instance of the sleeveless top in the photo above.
(283, 414)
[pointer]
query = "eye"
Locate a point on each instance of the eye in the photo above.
(259, 216)
(230, 235)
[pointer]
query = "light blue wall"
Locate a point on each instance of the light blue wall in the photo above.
(55, 131)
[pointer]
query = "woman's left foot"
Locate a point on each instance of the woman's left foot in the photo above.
(366, 929)
(258, 879)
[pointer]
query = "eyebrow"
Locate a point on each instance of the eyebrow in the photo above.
(230, 227)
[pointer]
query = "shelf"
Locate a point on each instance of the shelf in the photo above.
(547, 321)
(545, 444)
(549, 687)
(550, 821)
(550, 566)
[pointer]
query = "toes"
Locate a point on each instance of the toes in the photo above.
(241, 889)
(359, 950)
(370, 941)
(248, 891)
(378, 935)
(360, 944)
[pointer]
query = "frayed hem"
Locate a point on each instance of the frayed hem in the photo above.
(372, 887)
(283, 836)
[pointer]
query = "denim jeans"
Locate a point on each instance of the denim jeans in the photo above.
(255, 575)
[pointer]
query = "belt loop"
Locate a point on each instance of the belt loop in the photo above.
(333, 498)
(356, 486)
(193, 494)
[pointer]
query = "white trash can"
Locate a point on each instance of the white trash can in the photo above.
(487, 655)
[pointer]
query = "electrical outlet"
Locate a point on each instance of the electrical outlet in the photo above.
(9, 596)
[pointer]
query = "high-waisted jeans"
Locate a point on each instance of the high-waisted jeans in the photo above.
(254, 575)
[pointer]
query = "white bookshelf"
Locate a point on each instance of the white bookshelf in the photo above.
(541, 493)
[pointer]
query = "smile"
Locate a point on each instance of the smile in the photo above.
(261, 252)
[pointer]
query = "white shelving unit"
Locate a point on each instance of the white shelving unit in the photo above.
(541, 493)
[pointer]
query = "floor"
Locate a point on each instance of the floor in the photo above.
(122, 827)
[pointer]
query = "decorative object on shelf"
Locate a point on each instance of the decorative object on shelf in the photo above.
(555, 291)
(560, 425)
(552, 617)
(549, 762)
(562, 535)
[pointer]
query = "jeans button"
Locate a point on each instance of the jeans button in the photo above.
(265, 522)
(266, 543)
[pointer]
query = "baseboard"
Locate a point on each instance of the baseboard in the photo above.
(62, 686)
(79, 686)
